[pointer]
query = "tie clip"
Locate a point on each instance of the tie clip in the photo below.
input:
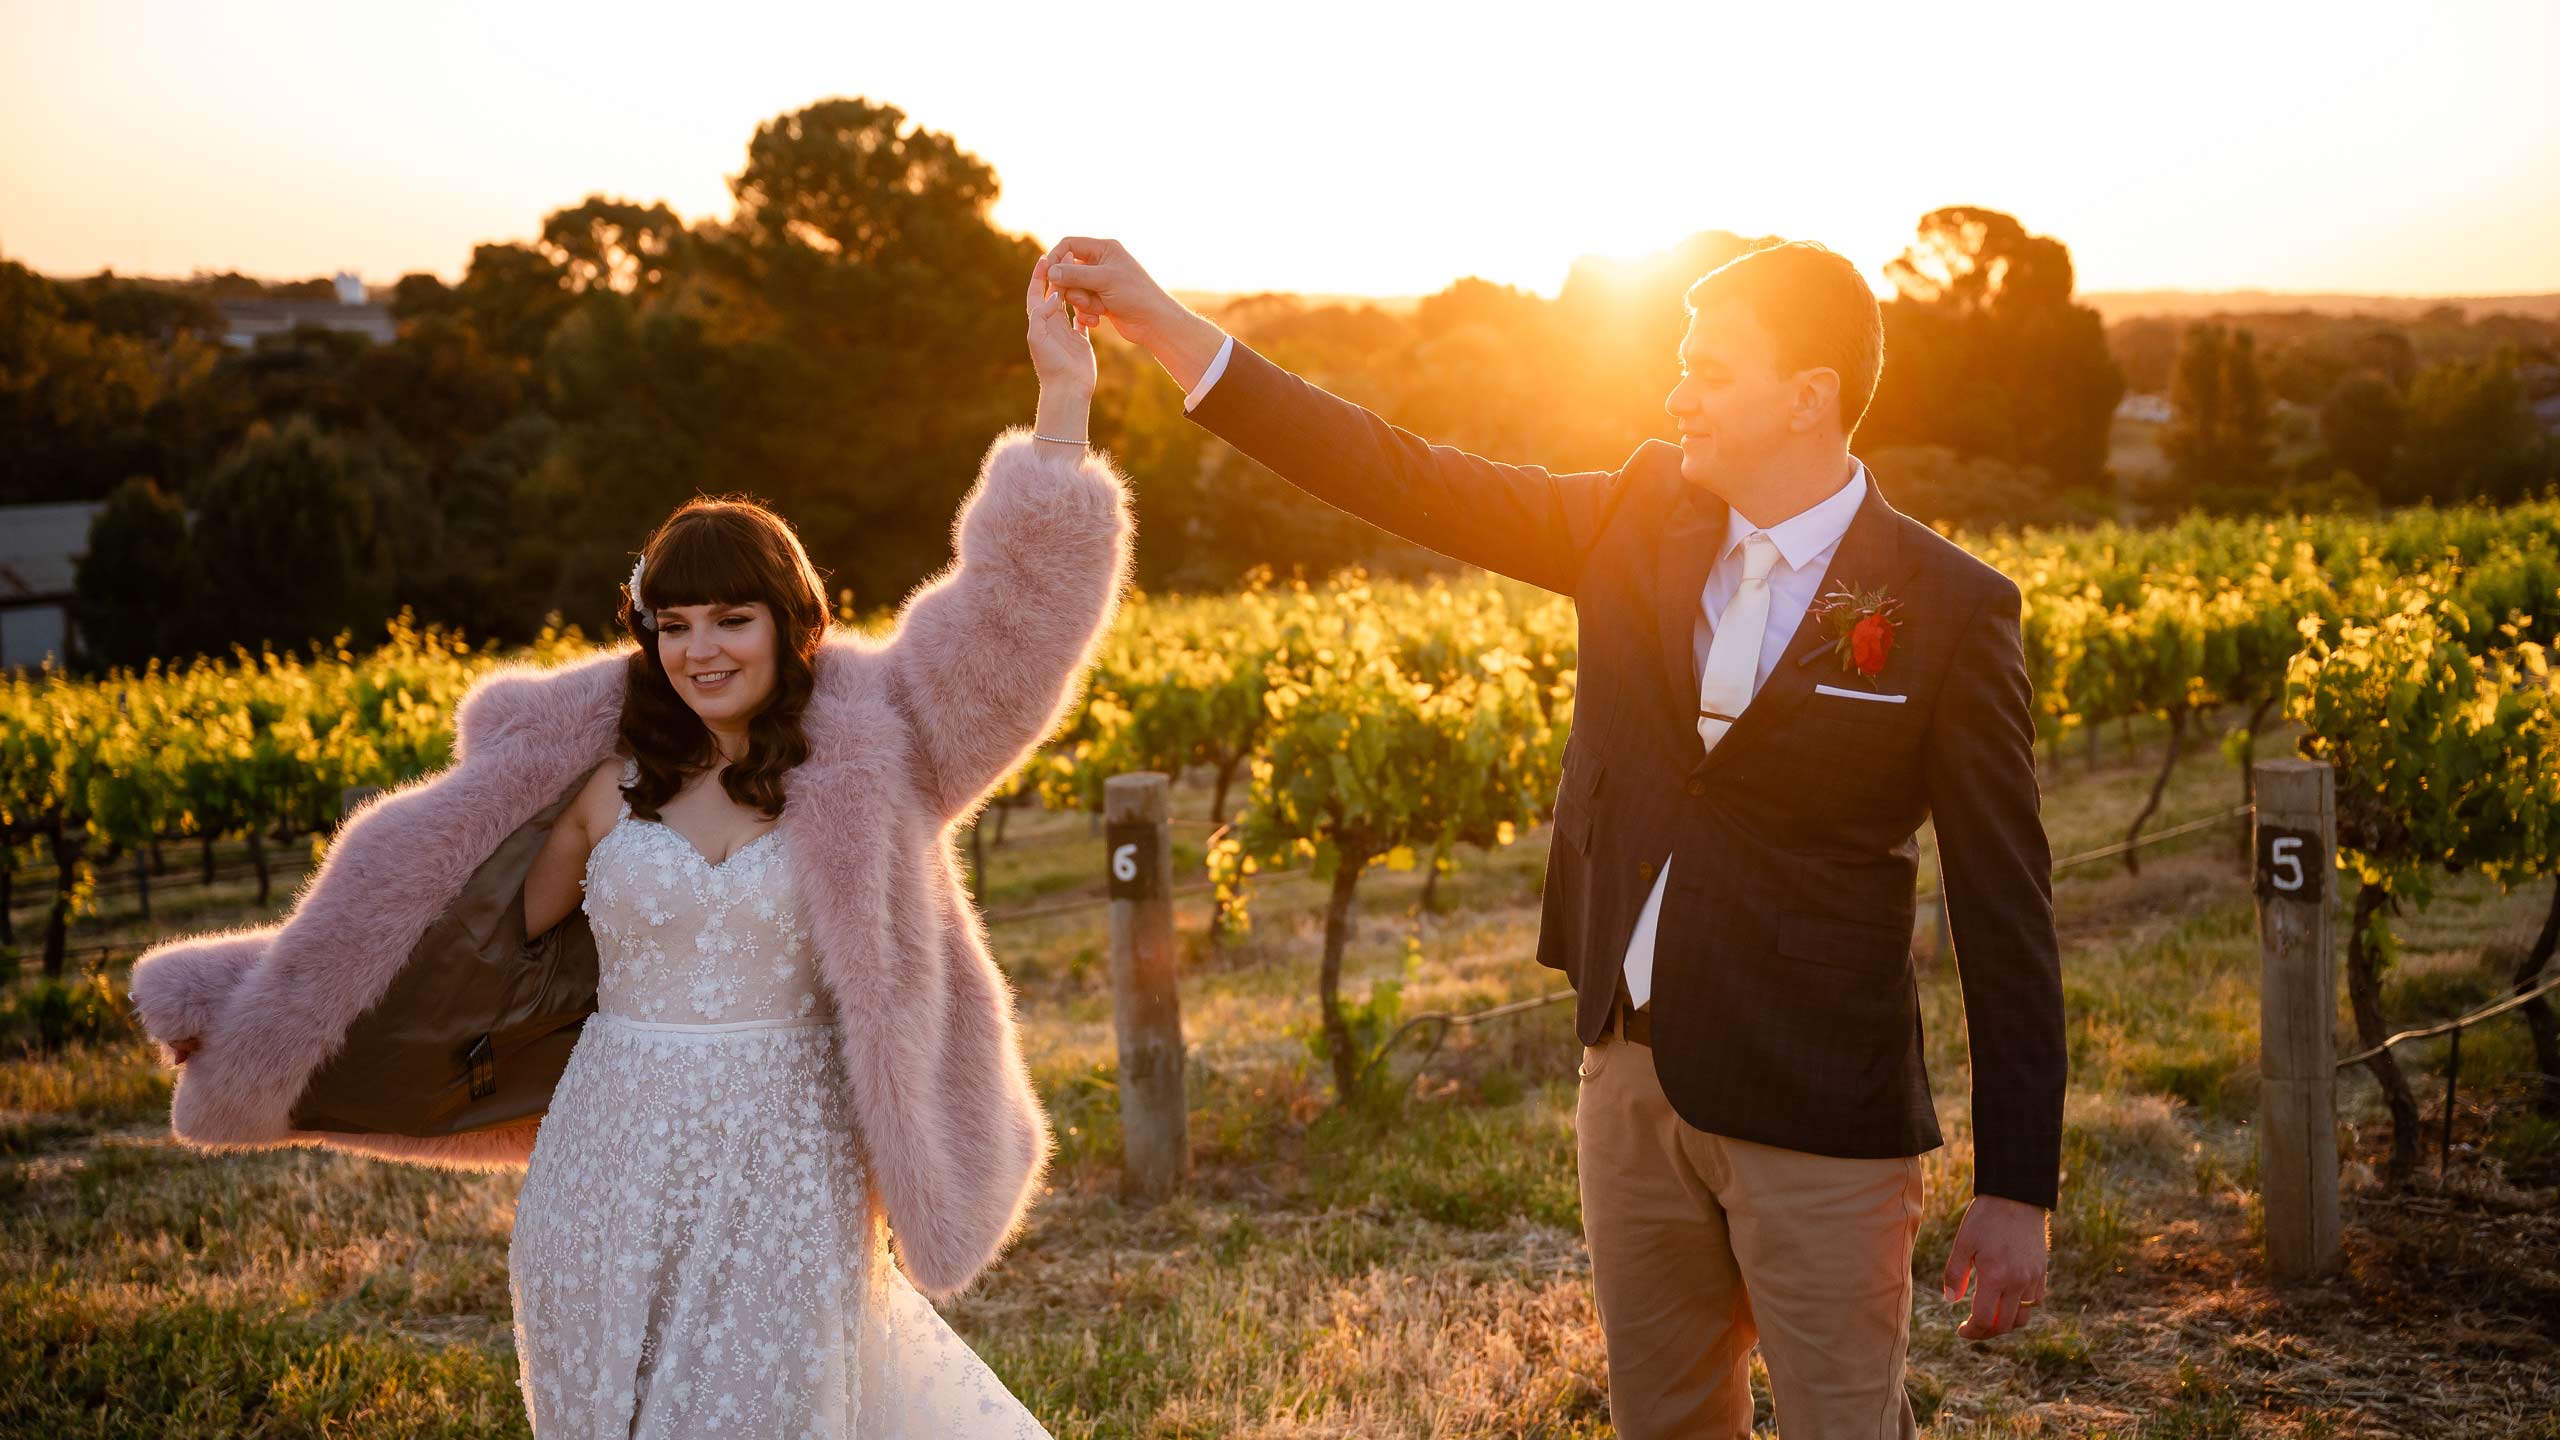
(1728, 719)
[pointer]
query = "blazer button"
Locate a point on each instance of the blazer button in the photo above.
(1644, 869)
(1697, 788)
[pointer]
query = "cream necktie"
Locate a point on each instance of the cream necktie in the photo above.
(1733, 657)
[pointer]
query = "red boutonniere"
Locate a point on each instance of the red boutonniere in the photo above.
(1862, 626)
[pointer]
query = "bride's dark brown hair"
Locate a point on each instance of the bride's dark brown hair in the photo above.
(725, 550)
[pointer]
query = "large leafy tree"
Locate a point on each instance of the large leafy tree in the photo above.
(2220, 432)
(134, 581)
(1987, 354)
(75, 400)
(843, 348)
(514, 296)
(438, 386)
(2470, 435)
(2362, 420)
(617, 245)
(300, 534)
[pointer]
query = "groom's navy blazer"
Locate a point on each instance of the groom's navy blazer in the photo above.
(1785, 1009)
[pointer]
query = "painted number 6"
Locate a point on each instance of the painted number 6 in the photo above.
(1124, 863)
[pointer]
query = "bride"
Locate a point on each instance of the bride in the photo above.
(693, 1254)
(786, 1065)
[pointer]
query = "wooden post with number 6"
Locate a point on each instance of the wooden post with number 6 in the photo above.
(1146, 1010)
(2296, 846)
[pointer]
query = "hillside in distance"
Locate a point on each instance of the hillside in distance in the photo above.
(2115, 305)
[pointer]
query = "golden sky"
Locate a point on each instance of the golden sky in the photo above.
(1376, 148)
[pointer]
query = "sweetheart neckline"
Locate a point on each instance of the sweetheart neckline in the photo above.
(715, 866)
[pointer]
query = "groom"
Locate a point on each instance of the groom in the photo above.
(1731, 884)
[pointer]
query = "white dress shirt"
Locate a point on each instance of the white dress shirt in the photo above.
(1806, 542)
(1209, 377)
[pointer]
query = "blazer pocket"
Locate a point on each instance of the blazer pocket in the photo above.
(1879, 950)
(1858, 707)
(1574, 798)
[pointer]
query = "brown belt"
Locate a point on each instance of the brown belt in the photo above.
(1636, 1025)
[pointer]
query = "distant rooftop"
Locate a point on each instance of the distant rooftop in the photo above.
(38, 545)
(244, 321)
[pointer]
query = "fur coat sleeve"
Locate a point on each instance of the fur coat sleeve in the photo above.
(986, 659)
(989, 655)
(907, 733)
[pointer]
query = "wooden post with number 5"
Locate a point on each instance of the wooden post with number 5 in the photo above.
(2296, 846)
(1146, 1010)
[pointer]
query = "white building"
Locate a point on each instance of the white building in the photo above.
(244, 321)
(2144, 409)
(39, 546)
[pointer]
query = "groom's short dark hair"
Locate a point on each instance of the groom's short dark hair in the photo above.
(1817, 307)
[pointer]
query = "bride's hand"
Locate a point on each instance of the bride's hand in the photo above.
(1060, 354)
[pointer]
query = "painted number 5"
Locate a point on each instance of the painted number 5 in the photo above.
(2284, 857)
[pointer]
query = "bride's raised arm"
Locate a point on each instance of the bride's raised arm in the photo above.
(987, 655)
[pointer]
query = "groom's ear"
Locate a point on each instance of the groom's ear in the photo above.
(1815, 399)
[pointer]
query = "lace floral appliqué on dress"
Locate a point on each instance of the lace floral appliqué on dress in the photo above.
(695, 1252)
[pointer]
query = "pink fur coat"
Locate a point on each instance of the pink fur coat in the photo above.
(907, 736)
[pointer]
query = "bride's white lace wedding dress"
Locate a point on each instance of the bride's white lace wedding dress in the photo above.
(694, 1254)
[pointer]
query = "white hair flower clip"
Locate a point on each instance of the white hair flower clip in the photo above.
(639, 611)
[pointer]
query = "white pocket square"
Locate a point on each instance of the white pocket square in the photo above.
(1859, 695)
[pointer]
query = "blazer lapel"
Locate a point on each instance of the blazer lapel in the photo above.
(1869, 558)
(1691, 534)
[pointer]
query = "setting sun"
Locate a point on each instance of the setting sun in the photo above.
(1351, 148)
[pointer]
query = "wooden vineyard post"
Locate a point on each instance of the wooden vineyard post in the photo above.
(1146, 1009)
(2295, 844)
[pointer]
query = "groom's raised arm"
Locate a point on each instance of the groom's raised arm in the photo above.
(1518, 520)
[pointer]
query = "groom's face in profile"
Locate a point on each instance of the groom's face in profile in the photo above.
(1735, 408)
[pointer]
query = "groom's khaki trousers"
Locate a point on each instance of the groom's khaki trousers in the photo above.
(1702, 1245)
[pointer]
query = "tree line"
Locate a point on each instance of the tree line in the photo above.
(844, 346)
(2290, 412)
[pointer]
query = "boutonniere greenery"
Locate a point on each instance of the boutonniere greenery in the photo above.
(1861, 625)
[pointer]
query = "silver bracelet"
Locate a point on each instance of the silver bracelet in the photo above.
(1060, 439)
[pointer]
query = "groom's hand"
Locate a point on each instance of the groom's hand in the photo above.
(1101, 278)
(2000, 1249)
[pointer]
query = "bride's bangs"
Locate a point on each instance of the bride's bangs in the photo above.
(711, 558)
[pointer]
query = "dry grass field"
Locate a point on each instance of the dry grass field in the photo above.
(1409, 1267)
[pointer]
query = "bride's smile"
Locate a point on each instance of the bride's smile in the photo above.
(721, 656)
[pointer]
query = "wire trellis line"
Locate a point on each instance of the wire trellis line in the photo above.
(2457, 1024)
(1445, 1020)
(1096, 902)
